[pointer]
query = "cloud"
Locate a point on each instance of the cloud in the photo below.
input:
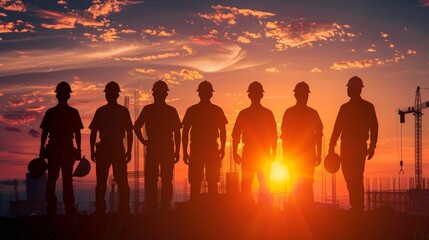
(207, 39)
(110, 35)
(145, 70)
(34, 133)
(411, 52)
(99, 8)
(352, 64)
(151, 57)
(13, 5)
(60, 20)
(189, 74)
(160, 32)
(18, 117)
(12, 129)
(17, 27)
(384, 35)
(1, 94)
(35, 108)
(189, 51)
(229, 14)
(128, 31)
(424, 3)
(316, 70)
(3, 15)
(242, 39)
(272, 70)
(300, 33)
(391, 45)
(371, 50)
(61, 2)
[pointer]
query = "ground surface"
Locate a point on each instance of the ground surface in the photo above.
(224, 218)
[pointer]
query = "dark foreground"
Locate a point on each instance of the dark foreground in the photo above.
(227, 218)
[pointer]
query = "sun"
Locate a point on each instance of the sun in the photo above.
(279, 173)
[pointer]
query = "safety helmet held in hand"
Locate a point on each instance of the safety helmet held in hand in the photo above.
(82, 168)
(332, 162)
(37, 167)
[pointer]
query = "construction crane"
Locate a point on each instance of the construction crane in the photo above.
(416, 110)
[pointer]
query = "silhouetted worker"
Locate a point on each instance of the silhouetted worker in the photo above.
(112, 121)
(161, 121)
(257, 128)
(302, 142)
(61, 123)
(206, 122)
(356, 123)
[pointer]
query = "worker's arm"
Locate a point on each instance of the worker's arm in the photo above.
(177, 139)
(92, 139)
(336, 132)
(43, 138)
(129, 144)
(77, 136)
(185, 139)
(373, 130)
(222, 134)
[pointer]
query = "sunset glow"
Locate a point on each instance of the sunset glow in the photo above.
(89, 43)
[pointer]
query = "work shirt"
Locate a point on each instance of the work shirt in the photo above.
(356, 122)
(61, 122)
(257, 126)
(111, 120)
(160, 121)
(301, 127)
(205, 120)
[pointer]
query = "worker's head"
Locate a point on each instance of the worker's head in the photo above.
(112, 91)
(160, 91)
(354, 87)
(301, 92)
(256, 91)
(205, 90)
(63, 91)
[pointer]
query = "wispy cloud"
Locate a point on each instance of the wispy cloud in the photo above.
(225, 14)
(17, 27)
(34, 133)
(13, 5)
(352, 64)
(171, 76)
(303, 33)
(424, 3)
(411, 52)
(272, 70)
(316, 70)
(160, 32)
(12, 129)
(18, 117)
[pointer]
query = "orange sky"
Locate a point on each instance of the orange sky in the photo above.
(227, 43)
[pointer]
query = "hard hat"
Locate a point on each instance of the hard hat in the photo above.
(112, 87)
(63, 87)
(255, 87)
(160, 86)
(355, 82)
(302, 87)
(82, 168)
(205, 86)
(332, 162)
(37, 167)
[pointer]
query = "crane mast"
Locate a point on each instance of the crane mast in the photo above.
(416, 110)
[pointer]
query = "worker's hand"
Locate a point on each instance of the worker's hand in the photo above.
(370, 152)
(128, 156)
(42, 152)
(318, 159)
(331, 150)
(221, 153)
(77, 154)
(237, 158)
(186, 157)
(146, 142)
(93, 157)
(176, 157)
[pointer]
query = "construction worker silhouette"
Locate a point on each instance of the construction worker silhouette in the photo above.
(161, 122)
(356, 123)
(302, 142)
(61, 123)
(256, 127)
(206, 123)
(111, 121)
